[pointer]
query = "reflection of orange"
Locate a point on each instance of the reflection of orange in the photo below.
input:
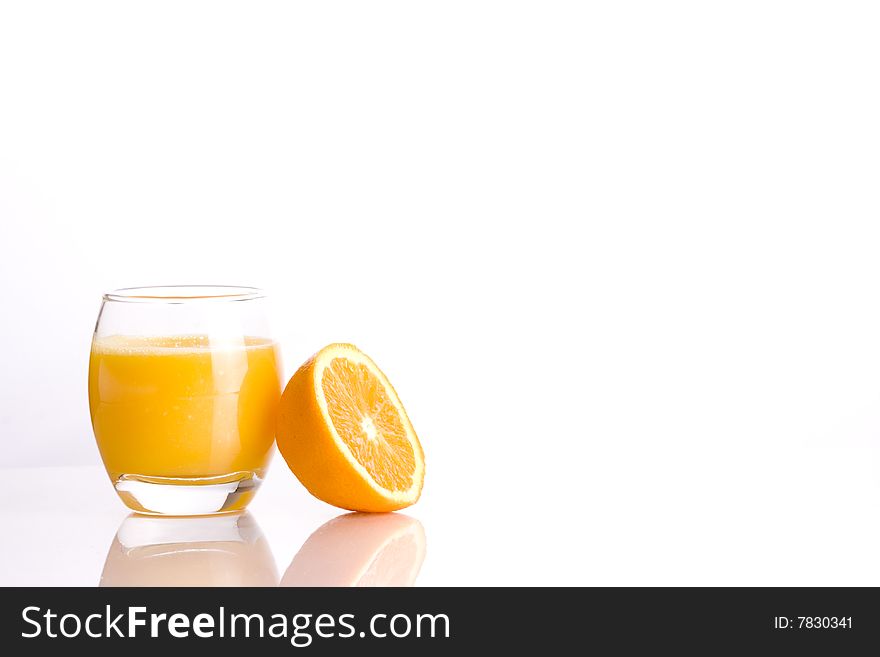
(360, 549)
(345, 435)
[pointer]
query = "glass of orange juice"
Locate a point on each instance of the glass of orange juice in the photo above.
(184, 382)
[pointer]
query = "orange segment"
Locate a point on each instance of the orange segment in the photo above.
(346, 436)
(368, 423)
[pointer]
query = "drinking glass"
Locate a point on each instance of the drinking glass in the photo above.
(184, 382)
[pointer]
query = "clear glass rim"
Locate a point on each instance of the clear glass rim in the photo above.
(184, 293)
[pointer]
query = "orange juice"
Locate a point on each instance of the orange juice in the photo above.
(184, 408)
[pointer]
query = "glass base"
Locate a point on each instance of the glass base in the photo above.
(187, 496)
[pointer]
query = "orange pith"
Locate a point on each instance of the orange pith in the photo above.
(368, 423)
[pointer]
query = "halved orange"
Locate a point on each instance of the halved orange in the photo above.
(346, 436)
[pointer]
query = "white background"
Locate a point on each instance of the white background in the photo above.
(619, 259)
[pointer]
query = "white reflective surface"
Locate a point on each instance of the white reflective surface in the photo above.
(656, 515)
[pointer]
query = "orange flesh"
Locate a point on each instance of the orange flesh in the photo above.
(368, 423)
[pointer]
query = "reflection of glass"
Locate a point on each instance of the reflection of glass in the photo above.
(183, 386)
(223, 550)
(360, 549)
